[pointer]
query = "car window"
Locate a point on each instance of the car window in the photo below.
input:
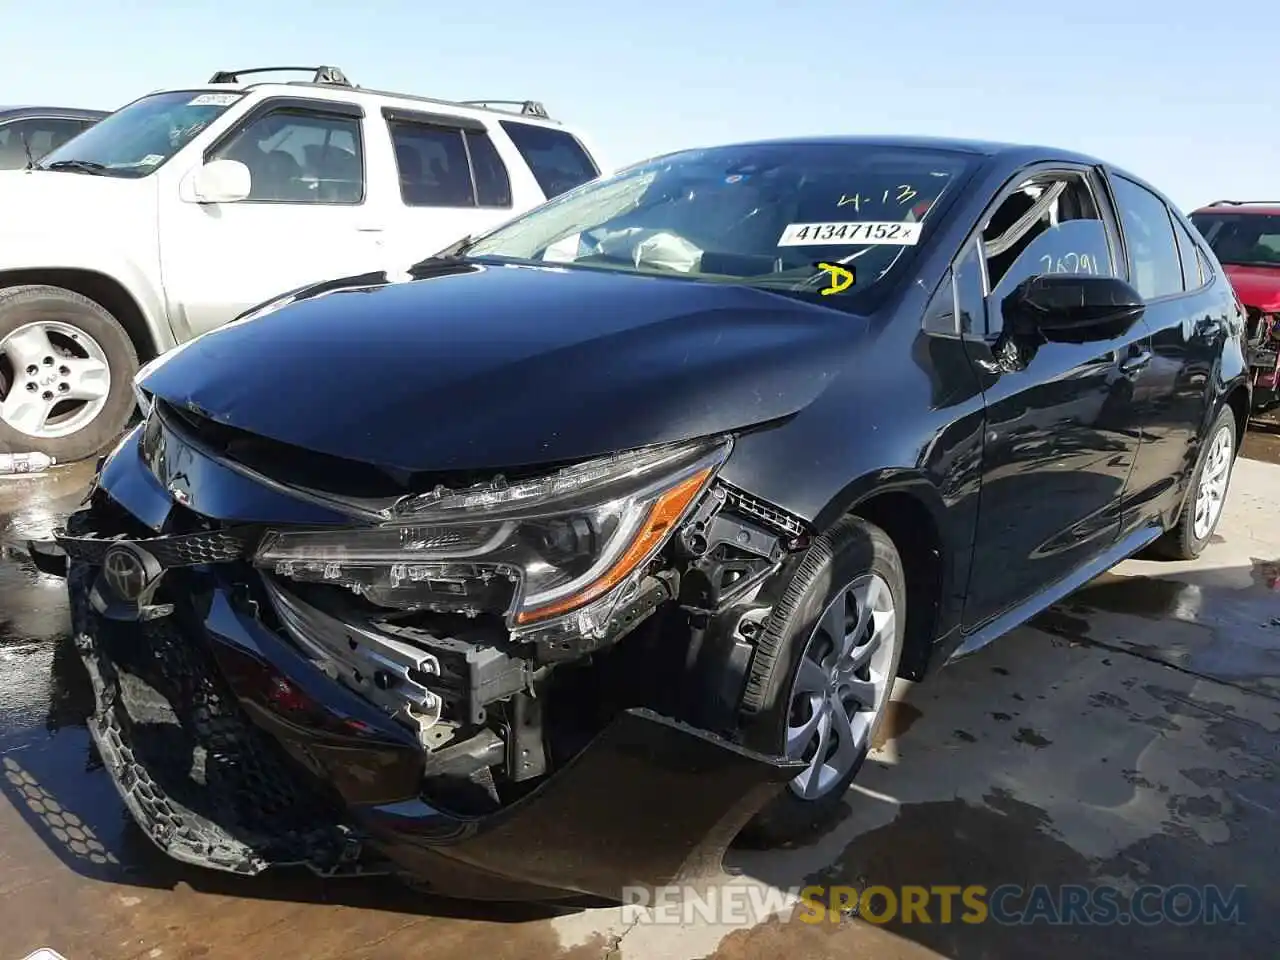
(432, 163)
(493, 185)
(1049, 224)
(558, 161)
(1154, 268)
(1206, 272)
(1187, 253)
(786, 217)
(297, 156)
(40, 135)
(140, 138)
(445, 166)
(1246, 239)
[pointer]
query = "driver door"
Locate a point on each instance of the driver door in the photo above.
(310, 215)
(1061, 432)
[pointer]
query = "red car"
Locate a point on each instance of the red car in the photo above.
(1246, 237)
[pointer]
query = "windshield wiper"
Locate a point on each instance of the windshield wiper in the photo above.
(449, 256)
(76, 166)
(456, 249)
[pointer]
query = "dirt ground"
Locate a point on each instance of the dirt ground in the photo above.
(1262, 441)
(1130, 735)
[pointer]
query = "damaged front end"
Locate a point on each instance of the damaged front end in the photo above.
(504, 687)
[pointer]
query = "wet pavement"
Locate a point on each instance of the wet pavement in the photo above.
(1130, 735)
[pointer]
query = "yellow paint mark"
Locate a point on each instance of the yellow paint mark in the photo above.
(841, 277)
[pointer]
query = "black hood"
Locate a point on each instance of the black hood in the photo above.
(493, 366)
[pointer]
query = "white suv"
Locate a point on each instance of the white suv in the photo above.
(186, 207)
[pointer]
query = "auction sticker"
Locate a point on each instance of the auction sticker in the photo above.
(214, 100)
(850, 232)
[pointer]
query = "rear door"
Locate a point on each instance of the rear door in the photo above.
(450, 181)
(1189, 320)
(310, 216)
(1062, 430)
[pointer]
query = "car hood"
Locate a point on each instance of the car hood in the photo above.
(1258, 287)
(41, 200)
(486, 366)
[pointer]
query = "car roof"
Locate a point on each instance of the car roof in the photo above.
(1012, 152)
(70, 113)
(1266, 207)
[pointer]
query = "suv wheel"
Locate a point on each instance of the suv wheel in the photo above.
(66, 369)
(823, 674)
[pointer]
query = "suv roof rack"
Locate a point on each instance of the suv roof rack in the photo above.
(333, 77)
(1245, 203)
(328, 75)
(528, 108)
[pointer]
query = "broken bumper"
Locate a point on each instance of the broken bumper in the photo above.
(234, 751)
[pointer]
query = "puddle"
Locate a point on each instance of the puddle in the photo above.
(1218, 623)
(1007, 841)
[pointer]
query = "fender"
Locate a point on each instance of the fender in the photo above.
(28, 250)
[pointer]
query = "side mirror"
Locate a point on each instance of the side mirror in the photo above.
(1076, 307)
(221, 181)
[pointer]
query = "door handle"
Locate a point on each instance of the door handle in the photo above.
(368, 229)
(1136, 362)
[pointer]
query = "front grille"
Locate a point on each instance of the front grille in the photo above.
(204, 783)
(182, 550)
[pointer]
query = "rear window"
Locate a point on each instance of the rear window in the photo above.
(556, 158)
(1242, 239)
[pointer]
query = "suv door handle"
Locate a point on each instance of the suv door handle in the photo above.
(1136, 362)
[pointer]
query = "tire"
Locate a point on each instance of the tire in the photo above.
(1182, 542)
(74, 328)
(796, 635)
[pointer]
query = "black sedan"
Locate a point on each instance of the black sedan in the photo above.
(562, 558)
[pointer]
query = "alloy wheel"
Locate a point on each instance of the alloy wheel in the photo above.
(57, 379)
(1212, 491)
(842, 685)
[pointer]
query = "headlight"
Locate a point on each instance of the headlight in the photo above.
(565, 547)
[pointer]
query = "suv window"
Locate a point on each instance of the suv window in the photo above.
(558, 161)
(1049, 224)
(41, 135)
(443, 166)
(141, 137)
(1247, 239)
(1187, 253)
(297, 156)
(1154, 268)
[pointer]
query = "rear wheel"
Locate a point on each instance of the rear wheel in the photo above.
(823, 674)
(1203, 507)
(66, 367)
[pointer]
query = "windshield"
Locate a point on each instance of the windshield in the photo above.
(1243, 239)
(138, 138)
(765, 215)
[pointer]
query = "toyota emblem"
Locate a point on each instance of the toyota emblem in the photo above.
(125, 573)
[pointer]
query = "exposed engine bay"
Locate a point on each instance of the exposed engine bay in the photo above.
(503, 623)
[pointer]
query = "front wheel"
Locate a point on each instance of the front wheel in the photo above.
(66, 367)
(823, 674)
(1203, 508)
